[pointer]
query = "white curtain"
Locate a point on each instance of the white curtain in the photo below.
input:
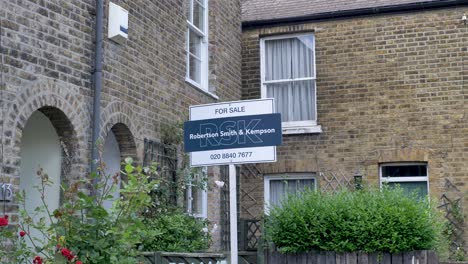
(294, 100)
(194, 53)
(291, 58)
(279, 189)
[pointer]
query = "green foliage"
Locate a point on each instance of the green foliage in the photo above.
(451, 231)
(173, 182)
(169, 229)
(82, 224)
(176, 232)
(172, 133)
(369, 220)
(142, 219)
(163, 196)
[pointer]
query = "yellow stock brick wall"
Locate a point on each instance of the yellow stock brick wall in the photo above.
(390, 88)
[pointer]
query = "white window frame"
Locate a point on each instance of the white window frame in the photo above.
(204, 211)
(293, 127)
(286, 176)
(406, 178)
(203, 85)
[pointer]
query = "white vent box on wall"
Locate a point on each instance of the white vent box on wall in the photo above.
(118, 23)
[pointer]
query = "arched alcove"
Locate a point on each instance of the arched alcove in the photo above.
(118, 145)
(126, 141)
(40, 148)
(47, 143)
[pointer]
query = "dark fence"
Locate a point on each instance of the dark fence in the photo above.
(413, 257)
(183, 258)
(245, 257)
(250, 232)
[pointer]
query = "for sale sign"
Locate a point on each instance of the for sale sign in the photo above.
(232, 133)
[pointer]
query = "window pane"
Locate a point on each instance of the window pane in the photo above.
(303, 57)
(419, 188)
(289, 58)
(197, 201)
(195, 44)
(279, 189)
(294, 100)
(416, 170)
(195, 69)
(189, 10)
(196, 196)
(198, 16)
(278, 59)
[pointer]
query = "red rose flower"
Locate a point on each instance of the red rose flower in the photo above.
(78, 262)
(22, 233)
(37, 260)
(4, 220)
(65, 252)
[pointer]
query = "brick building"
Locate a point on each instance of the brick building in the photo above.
(369, 88)
(47, 51)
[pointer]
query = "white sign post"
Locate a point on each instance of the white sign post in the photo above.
(233, 213)
(238, 155)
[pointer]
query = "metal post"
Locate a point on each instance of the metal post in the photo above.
(97, 89)
(233, 212)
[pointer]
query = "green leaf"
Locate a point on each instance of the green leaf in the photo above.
(129, 168)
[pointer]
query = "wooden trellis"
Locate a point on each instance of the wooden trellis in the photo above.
(451, 204)
(165, 157)
(250, 203)
(250, 232)
(332, 182)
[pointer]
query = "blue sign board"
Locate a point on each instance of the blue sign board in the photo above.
(233, 132)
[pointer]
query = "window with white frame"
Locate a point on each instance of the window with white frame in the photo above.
(197, 44)
(197, 197)
(277, 187)
(411, 177)
(288, 76)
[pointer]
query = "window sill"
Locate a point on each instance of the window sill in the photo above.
(199, 216)
(294, 130)
(198, 87)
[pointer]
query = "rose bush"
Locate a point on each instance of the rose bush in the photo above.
(81, 230)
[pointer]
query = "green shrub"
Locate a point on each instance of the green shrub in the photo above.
(368, 220)
(176, 232)
(82, 229)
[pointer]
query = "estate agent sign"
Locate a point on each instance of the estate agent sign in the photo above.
(233, 133)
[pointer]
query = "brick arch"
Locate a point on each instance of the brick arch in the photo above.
(404, 155)
(121, 119)
(114, 119)
(66, 110)
(125, 139)
(289, 166)
(63, 127)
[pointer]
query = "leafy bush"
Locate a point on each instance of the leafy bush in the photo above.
(176, 232)
(368, 220)
(82, 230)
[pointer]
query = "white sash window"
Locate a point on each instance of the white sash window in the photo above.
(197, 44)
(288, 76)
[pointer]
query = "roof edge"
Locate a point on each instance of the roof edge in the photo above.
(357, 12)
